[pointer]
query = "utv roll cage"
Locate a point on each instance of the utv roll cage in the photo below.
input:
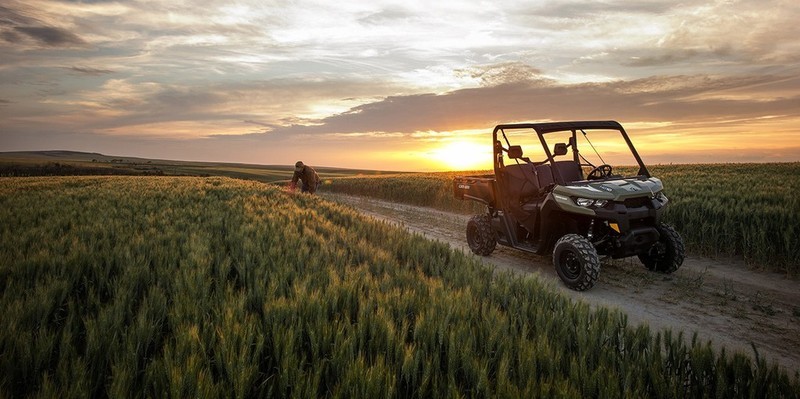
(550, 127)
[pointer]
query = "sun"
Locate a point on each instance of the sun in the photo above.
(463, 155)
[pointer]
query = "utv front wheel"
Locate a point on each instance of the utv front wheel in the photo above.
(480, 235)
(666, 255)
(576, 262)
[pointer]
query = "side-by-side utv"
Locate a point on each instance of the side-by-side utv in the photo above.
(562, 202)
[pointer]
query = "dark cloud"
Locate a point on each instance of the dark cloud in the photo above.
(16, 25)
(679, 99)
(50, 36)
(10, 36)
(263, 124)
(90, 71)
(168, 104)
(190, 99)
(664, 57)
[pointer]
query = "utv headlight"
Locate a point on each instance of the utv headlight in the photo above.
(661, 197)
(585, 202)
(588, 202)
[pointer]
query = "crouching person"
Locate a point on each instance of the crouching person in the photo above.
(307, 175)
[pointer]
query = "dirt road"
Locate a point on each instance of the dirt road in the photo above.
(722, 301)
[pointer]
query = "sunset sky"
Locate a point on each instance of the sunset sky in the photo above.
(411, 85)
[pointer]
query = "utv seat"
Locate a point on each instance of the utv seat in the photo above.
(570, 171)
(522, 179)
(545, 175)
(524, 188)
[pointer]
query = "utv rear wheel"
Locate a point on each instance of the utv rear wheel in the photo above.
(576, 262)
(480, 235)
(665, 256)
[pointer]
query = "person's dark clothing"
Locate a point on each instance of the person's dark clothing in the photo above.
(309, 177)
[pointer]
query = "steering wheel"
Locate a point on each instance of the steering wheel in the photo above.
(600, 172)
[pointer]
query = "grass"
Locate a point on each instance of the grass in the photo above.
(206, 287)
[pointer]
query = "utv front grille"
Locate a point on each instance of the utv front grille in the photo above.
(638, 202)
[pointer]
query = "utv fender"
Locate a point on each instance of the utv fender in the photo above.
(555, 222)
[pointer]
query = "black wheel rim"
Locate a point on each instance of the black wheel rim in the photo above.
(658, 251)
(570, 265)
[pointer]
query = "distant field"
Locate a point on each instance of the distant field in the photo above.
(748, 210)
(214, 287)
(71, 163)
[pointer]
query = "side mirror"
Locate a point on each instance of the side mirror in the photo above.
(560, 149)
(515, 152)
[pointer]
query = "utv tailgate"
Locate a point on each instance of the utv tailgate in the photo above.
(477, 188)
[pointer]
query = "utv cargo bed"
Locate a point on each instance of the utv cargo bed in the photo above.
(477, 188)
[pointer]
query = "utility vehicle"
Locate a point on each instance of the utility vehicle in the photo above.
(558, 200)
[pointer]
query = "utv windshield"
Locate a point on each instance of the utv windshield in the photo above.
(594, 148)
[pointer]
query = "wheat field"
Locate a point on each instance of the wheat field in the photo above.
(214, 287)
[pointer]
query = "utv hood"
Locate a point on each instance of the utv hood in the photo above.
(614, 190)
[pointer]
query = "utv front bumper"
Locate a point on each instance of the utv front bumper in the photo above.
(636, 241)
(632, 225)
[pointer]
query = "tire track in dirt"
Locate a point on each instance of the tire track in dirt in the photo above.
(722, 301)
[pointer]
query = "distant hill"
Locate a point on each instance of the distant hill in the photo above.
(52, 154)
(63, 162)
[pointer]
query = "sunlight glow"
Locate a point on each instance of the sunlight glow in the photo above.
(463, 155)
